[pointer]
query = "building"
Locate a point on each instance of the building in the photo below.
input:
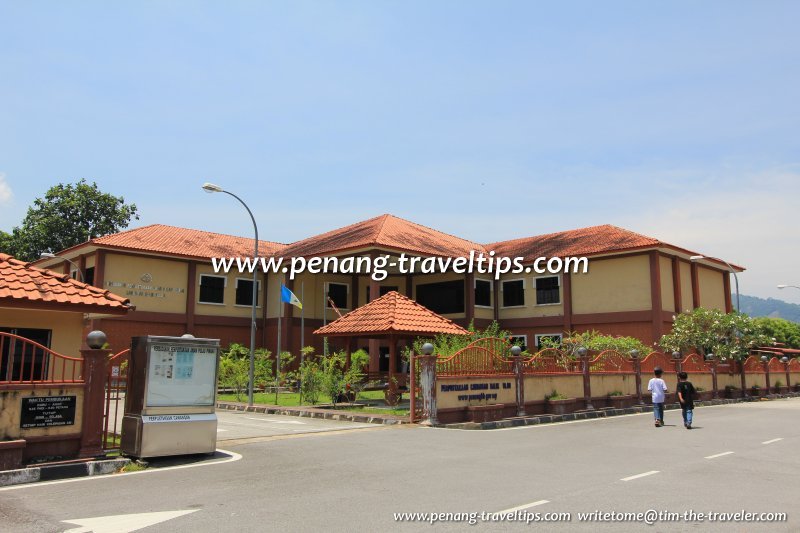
(634, 285)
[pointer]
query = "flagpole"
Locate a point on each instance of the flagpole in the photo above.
(278, 355)
(324, 319)
(302, 335)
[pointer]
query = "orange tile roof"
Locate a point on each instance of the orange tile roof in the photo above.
(577, 242)
(185, 242)
(385, 231)
(22, 285)
(391, 314)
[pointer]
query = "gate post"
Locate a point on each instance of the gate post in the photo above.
(713, 361)
(587, 385)
(678, 365)
(427, 379)
(412, 387)
(765, 362)
(637, 368)
(785, 361)
(95, 361)
(520, 378)
(744, 378)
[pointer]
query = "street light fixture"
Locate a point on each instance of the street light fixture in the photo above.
(48, 255)
(733, 271)
(784, 286)
(211, 188)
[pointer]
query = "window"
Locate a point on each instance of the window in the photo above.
(89, 275)
(34, 358)
(483, 293)
(244, 292)
(519, 340)
(444, 297)
(547, 290)
(383, 290)
(338, 292)
(513, 293)
(550, 336)
(212, 289)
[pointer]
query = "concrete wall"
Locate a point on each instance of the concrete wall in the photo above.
(605, 384)
(617, 284)
(667, 292)
(451, 399)
(166, 290)
(712, 288)
(539, 386)
(11, 406)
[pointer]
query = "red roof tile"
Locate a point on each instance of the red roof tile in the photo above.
(186, 242)
(392, 313)
(23, 285)
(385, 231)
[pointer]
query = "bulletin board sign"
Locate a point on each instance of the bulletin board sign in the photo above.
(181, 374)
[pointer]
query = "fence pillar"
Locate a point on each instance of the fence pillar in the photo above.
(520, 378)
(95, 362)
(744, 379)
(427, 382)
(765, 362)
(714, 384)
(587, 382)
(676, 356)
(785, 361)
(637, 368)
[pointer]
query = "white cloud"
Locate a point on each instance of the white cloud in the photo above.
(5, 190)
(746, 218)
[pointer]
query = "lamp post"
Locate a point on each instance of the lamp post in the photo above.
(211, 188)
(784, 286)
(733, 271)
(48, 255)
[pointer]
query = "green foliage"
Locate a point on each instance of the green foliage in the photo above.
(67, 215)
(234, 368)
(354, 377)
(333, 375)
(446, 345)
(781, 330)
(616, 393)
(730, 335)
(555, 395)
(310, 381)
(596, 341)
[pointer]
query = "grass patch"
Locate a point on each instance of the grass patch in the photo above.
(290, 399)
(134, 466)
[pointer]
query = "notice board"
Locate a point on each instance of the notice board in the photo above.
(181, 375)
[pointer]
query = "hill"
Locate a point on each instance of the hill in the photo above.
(755, 306)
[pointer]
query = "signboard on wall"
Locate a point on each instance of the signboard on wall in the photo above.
(47, 411)
(181, 375)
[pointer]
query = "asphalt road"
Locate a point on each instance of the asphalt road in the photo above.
(356, 479)
(241, 427)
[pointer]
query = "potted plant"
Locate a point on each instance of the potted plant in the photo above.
(780, 388)
(731, 391)
(618, 400)
(558, 404)
(755, 390)
(703, 394)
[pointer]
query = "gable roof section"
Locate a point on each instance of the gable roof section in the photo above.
(391, 314)
(22, 285)
(172, 240)
(578, 242)
(385, 231)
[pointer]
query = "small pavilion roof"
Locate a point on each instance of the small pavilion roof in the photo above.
(391, 314)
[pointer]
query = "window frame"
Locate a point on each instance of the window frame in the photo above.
(200, 284)
(326, 288)
(502, 289)
(258, 293)
(536, 293)
(491, 293)
(537, 336)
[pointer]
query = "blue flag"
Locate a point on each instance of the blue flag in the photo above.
(289, 297)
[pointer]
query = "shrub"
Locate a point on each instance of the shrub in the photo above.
(595, 341)
(555, 395)
(310, 381)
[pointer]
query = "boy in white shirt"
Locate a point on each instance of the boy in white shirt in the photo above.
(658, 388)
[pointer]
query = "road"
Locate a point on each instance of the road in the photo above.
(739, 457)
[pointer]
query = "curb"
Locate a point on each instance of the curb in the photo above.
(326, 414)
(598, 413)
(34, 474)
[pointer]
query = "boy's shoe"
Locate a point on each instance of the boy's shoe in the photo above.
(688, 426)
(661, 421)
(658, 424)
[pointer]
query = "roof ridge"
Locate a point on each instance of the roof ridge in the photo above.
(543, 235)
(186, 229)
(435, 230)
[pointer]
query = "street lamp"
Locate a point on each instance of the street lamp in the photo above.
(784, 286)
(733, 271)
(211, 188)
(48, 255)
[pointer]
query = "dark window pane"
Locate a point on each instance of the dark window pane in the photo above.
(513, 293)
(547, 290)
(212, 289)
(89, 275)
(483, 292)
(443, 298)
(338, 293)
(244, 292)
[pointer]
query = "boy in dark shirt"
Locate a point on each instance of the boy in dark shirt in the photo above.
(686, 394)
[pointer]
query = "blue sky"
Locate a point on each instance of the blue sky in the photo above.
(488, 120)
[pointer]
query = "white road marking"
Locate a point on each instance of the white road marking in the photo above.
(771, 441)
(637, 476)
(270, 420)
(526, 506)
(718, 455)
(123, 523)
(233, 457)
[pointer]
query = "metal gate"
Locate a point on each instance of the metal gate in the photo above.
(116, 387)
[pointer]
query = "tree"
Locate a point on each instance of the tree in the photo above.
(781, 330)
(595, 341)
(68, 215)
(730, 335)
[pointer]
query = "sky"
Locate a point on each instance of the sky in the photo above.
(486, 120)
